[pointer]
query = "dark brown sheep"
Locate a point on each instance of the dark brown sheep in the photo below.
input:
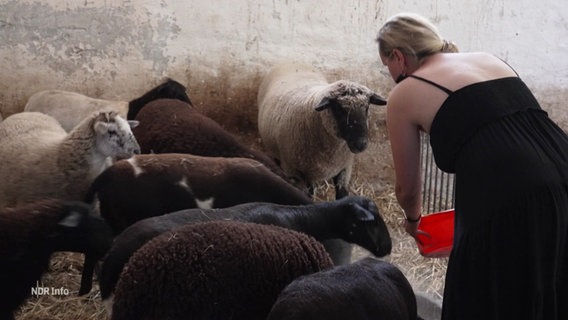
(214, 270)
(155, 184)
(173, 126)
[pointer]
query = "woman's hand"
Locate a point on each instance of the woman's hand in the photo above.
(411, 227)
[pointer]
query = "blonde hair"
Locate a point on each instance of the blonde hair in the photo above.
(413, 35)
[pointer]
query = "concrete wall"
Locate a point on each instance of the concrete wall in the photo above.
(220, 49)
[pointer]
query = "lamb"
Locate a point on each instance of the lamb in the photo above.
(172, 126)
(31, 233)
(69, 108)
(312, 127)
(367, 289)
(41, 160)
(354, 219)
(155, 184)
(214, 270)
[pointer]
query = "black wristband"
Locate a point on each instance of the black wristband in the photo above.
(414, 220)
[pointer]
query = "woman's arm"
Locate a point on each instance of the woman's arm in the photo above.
(404, 135)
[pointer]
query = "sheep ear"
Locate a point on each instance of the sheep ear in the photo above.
(133, 123)
(71, 220)
(101, 127)
(378, 100)
(363, 214)
(325, 103)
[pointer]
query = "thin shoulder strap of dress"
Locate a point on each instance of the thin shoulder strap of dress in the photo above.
(446, 90)
(515, 71)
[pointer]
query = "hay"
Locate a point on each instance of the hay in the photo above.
(425, 274)
(64, 272)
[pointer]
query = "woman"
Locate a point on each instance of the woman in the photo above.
(509, 259)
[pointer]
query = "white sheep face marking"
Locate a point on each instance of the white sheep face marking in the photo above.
(205, 204)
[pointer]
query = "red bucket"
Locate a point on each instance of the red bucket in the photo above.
(440, 229)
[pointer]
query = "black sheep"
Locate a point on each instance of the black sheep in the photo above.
(169, 89)
(31, 233)
(354, 219)
(367, 289)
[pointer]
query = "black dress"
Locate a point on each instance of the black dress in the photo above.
(509, 259)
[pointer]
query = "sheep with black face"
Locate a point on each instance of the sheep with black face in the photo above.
(313, 127)
(354, 219)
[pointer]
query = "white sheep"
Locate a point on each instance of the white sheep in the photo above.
(313, 127)
(69, 108)
(40, 159)
(367, 289)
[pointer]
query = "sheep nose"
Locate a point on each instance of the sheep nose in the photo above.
(358, 145)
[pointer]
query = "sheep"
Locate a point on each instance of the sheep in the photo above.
(154, 184)
(214, 270)
(40, 159)
(367, 289)
(31, 233)
(354, 219)
(312, 127)
(173, 126)
(69, 108)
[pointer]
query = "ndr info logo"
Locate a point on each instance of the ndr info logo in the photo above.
(49, 291)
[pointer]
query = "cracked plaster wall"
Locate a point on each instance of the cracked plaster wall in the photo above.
(221, 48)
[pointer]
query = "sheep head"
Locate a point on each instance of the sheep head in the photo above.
(169, 89)
(365, 226)
(114, 135)
(348, 103)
